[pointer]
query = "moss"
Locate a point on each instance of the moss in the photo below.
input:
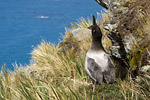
(135, 59)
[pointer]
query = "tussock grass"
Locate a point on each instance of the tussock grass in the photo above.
(82, 23)
(136, 90)
(85, 23)
(26, 86)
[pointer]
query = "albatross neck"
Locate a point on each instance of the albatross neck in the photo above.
(97, 45)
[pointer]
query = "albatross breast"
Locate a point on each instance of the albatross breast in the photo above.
(99, 66)
(101, 58)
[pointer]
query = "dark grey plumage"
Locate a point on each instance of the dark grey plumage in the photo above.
(98, 63)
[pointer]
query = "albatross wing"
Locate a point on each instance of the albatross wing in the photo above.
(94, 70)
(109, 74)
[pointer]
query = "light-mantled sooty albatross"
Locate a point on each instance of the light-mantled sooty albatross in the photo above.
(98, 63)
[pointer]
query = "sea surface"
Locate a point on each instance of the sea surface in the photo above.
(25, 23)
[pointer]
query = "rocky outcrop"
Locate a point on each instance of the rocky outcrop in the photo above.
(126, 30)
(81, 33)
(73, 39)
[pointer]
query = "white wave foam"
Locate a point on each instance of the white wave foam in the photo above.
(42, 17)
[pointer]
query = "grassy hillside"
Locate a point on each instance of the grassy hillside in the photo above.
(56, 72)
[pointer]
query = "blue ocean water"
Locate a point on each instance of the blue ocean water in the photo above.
(25, 23)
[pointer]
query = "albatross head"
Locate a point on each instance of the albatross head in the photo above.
(96, 31)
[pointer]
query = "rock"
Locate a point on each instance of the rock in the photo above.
(116, 3)
(115, 51)
(81, 33)
(110, 27)
(103, 3)
(128, 41)
(145, 69)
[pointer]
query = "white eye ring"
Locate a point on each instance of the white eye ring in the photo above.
(93, 30)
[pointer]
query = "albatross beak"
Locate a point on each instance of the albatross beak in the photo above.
(94, 21)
